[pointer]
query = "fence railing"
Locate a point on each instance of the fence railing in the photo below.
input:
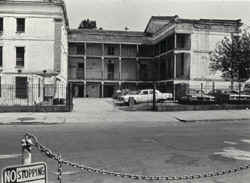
(33, 94)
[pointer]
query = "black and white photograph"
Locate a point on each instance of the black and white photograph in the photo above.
(124, 91)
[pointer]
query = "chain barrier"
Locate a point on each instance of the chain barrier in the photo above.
(46, 151)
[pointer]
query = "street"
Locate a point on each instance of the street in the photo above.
(147, 148)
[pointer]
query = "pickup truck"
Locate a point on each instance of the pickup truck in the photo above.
(146, 96)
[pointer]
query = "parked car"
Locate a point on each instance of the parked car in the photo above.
(197, 97)
(221, 97)
(230, 96)
(146, 96)
(239, 97)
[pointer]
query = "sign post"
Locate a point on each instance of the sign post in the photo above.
(32, 173)
(26, 143)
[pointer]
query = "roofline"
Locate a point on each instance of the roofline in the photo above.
(117, 32)
(159, 17)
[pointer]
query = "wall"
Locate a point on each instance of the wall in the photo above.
(203, 42)
(42, 52)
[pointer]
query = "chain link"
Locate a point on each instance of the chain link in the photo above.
(46, 151)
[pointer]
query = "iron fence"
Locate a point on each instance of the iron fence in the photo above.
(34, 94)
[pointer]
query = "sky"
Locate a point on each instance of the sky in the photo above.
(135, 14)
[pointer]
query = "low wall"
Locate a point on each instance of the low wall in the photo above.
(58, 108)
(183, 107)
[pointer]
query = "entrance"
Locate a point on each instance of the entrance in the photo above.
(108, 90)
(78, 90)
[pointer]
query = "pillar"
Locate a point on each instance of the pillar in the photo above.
(120, 68)
(102, 89)
(174, 76)
(120, 85)
(103, 53)
(85, 89)
(103, 65)
(85, 69)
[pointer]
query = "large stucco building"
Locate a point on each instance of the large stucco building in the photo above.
(171, 51)
(33, 50)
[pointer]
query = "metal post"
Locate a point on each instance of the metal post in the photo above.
(239, 89)
(154, 96)
(26, 143)
(201, 88)
(213, 87)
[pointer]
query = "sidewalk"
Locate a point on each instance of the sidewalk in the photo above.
(103, 111)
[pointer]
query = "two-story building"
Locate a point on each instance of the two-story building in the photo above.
(171, 51)
(33, 51)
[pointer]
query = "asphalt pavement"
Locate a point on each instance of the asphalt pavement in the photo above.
(98, 134)
(152, 148)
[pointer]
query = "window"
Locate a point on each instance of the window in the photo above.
(1, 56)
(1, 24)
(79, 50)
(20, 22)
(76, 49)
(81, 65)
(20, 56)
(21, 87)
(111, 50)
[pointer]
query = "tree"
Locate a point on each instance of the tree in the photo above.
(232, 58)
(87, 24)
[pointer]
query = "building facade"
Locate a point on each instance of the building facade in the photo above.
(171, 51)
(33, 51)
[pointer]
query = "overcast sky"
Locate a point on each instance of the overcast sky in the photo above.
(116, 14)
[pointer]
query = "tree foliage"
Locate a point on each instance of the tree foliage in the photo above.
(87, 24)
(232, 57)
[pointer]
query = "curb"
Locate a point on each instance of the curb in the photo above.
(212, 120)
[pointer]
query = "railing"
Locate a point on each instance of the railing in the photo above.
(32, 95)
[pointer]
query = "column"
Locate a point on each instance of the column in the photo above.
(120, 85)
(85, 89)
(120, 50)
(103, 65)
(174, 76)
(85, 60)
(85, 67)
(120, 63)
(103, 76)
(137, 50)
(102, 89)
(120, 68)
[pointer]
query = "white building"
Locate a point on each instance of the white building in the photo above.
(33, 51)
